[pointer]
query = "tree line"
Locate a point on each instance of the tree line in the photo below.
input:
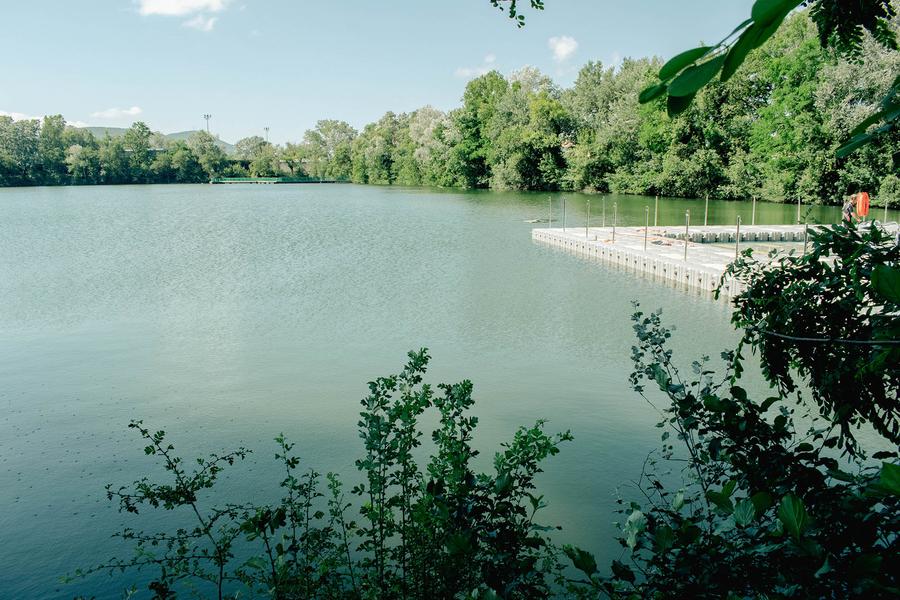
(769, 132)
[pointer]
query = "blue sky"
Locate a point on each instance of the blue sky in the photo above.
(287, 63)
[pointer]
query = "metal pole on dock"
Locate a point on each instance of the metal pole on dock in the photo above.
(753, 214)
(549, 212)
(587, 223)
(646, 225)
(706, 211)
(798, 211)
(687, 227)
(656, 210)
(737, 239)
(615, 219)
(564, 213)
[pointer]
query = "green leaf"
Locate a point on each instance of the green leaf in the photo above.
(503, 483)
(762, 501)
(680, 61)
(457, 543)
(792, 515)
(663, 538)
(256, 562)
(887, 282)
(767, 403)
(890, 477)
(722, 501)
(634, 526)
(659, 376)
(623, 571)
(886, 114)
(824, 569)
(744, 512)
(583, 561)
(675, 105)
(853, 144)
(651, 93)
(766, 11)
(694, 78)
(739, 51)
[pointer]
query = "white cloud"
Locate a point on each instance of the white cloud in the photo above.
(563, 47)
(117, 113)
(200, 11)
(179, 8)
(470, 72)
(201, 23)
(17, 116)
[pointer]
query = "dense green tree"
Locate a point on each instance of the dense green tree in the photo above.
(208, 152)
(83, 164)
(178, 164)
(249, 148)
(19, 154)
(328, 149)
(52, 149)
(115, 163)
(480, 101)
(373, 152)
(137, 143)
(293, 156)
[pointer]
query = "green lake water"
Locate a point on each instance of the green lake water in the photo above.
(228, 314)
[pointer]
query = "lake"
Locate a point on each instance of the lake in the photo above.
(228, 314)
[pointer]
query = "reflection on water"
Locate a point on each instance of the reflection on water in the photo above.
(228, 314)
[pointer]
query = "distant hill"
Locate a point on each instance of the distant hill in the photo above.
(100, 132)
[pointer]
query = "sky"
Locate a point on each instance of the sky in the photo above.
(285, 64)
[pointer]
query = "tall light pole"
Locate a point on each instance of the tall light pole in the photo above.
(267, 134)
(207, 117)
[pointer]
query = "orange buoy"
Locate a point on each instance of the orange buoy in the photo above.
(862, 204)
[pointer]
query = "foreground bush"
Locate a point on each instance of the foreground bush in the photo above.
(441, 532)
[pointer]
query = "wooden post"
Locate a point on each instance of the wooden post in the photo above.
(805, 236)
(587, 223)
(687, 227)
(646, 225)
(706, 211)
(798, 211)
(737, 239)
(615, 219)
(753, 214)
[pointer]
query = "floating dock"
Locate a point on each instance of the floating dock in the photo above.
(661, 253)
(271, 180)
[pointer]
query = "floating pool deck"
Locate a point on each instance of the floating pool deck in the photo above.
(709, 249)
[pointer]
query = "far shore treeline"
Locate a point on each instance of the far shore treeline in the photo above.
(770, 133)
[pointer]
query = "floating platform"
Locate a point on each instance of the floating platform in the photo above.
(709, 250)
(271, 180)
